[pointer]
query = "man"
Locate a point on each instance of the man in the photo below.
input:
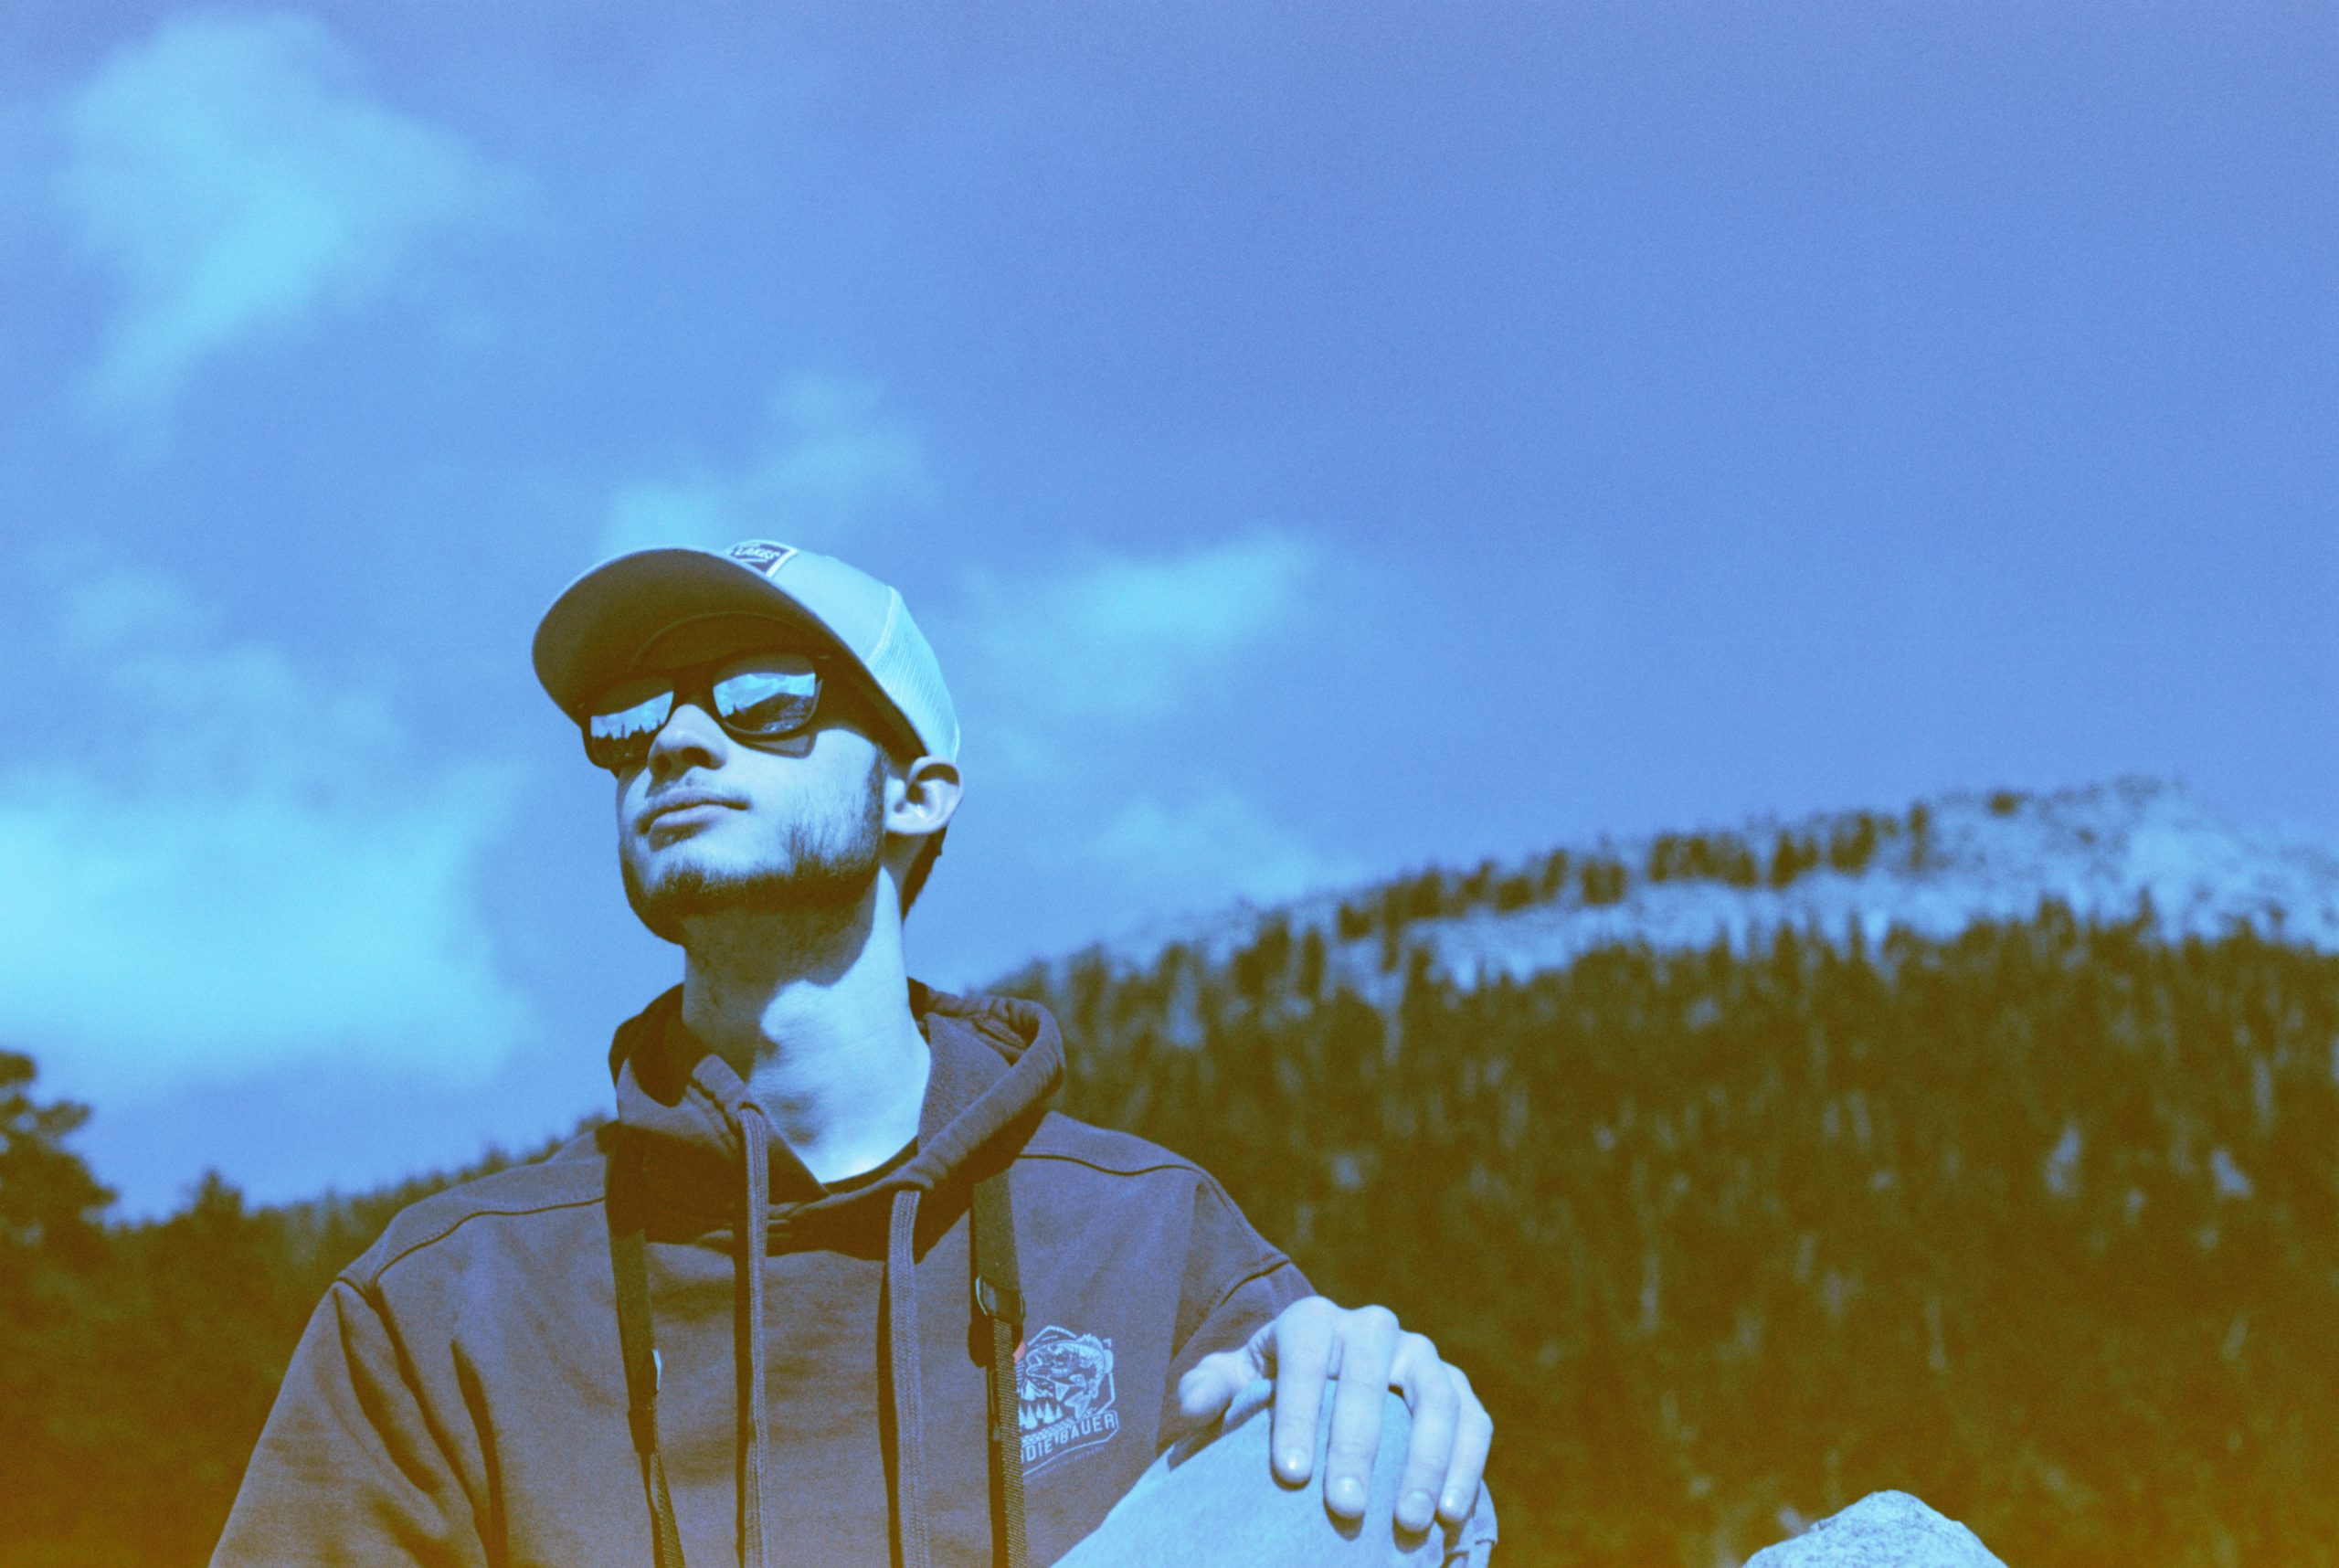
(959, 1328)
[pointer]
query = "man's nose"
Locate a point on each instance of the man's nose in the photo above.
(689, 738)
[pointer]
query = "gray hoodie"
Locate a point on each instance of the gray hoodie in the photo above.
(458, 1396)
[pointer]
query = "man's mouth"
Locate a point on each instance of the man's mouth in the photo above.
(682, 806)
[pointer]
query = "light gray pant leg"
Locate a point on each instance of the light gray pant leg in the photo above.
(1212, 1502)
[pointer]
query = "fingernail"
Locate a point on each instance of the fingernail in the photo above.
(1414, 1512)
(1348, 1495)
(1292, 1464)
(1453, 1506)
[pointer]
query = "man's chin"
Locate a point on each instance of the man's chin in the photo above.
(678, 889)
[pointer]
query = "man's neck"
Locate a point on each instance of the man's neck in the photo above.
(815, 1016)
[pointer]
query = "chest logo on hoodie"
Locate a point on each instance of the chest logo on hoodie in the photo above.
(1063, 1387)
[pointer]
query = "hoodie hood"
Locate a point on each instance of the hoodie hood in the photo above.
(997, 1061)
(706, 1148)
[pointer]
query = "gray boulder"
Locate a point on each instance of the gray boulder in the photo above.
(1883, 1530)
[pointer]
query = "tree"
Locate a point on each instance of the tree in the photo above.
(53, 1252)
(49, 1200)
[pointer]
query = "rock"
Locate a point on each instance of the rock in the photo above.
(1883, 1530)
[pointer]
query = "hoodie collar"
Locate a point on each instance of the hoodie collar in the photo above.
(996, 1062)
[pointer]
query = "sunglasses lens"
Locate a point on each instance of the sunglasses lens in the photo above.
(619, 730)
(767, 695)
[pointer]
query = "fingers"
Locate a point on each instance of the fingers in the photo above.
(1301, 1345)
(1433, 1395)
(1217, 1379)
(1367, 1348)
(1474, 1434)
(1205, 1392)
(1314, 1342)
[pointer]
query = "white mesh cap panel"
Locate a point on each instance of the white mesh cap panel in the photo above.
(850, 602)
(873, 623)
(907, 670)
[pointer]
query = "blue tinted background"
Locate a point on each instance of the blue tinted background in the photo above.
(1318, 441)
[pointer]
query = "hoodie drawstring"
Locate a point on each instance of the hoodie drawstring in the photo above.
(998, 1299)
(909, 1417)
(754, 1132)
(901, 1304)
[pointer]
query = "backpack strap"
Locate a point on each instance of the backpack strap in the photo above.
(629, 1261)
(998, 1297)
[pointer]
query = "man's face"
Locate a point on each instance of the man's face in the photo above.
(710, 825)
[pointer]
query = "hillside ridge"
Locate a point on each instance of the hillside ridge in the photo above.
(2130, 848)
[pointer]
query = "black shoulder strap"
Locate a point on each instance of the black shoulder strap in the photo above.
(630, 1259)
(999, 1297)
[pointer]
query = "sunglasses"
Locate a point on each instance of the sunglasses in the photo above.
(755, 698)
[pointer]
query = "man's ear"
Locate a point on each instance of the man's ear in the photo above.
(921, 799)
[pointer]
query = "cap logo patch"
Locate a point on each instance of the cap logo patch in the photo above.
(761, 554)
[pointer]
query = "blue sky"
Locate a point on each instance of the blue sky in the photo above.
(1317, 439)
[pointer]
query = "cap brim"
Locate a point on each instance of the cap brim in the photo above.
(601, 622)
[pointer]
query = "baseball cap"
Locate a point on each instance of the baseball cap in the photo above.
(601, 622)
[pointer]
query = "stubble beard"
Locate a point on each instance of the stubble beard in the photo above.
(822, 876)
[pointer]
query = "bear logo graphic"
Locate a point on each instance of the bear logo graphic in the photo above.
(1063, 1387)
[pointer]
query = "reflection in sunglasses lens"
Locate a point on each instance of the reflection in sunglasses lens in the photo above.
(766, 702)
(631, 723)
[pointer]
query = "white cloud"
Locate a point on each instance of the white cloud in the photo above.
(232, 178)
(1194, 854)
(1122, 637)
(234, 864)
(1075, 681)
(831, 458)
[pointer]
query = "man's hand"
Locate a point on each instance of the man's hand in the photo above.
(1314, 1342)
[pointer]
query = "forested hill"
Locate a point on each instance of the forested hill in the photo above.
(2031, 1211)
(2038, 1222)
